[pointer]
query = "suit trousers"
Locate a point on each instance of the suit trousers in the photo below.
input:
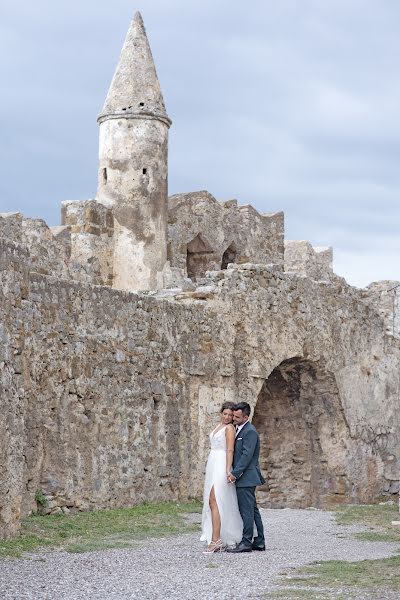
(250, 514)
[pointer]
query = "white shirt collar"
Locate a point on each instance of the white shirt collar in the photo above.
(240, 427)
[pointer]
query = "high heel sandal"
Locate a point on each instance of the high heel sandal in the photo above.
(214, 547)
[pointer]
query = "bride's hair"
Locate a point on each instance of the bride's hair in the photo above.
(227, 406)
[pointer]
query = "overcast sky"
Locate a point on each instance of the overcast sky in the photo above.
(289, 105)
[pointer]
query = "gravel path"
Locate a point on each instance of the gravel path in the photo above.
(176, 568)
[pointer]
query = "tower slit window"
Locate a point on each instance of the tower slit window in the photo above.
(104, 172)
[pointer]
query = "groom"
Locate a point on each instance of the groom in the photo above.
(247, 475)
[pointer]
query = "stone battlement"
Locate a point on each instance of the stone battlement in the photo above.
(304, 259)
(204, 234)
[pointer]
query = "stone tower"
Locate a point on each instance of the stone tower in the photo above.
(133, 165)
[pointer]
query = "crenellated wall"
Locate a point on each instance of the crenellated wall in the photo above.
(204, 234)
(48, 255)
(314, 262)
(90, 226)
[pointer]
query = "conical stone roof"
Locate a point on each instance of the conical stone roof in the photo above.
(135, 90)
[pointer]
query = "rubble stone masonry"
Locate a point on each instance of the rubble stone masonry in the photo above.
(107, 396)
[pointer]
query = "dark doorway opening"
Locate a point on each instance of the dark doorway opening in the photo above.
(200, 257)
(304, 437)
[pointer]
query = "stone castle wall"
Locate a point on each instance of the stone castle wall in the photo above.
(90, 228)
(204, 235)
(90, 416)
(48, 254)
(14, 288)
(386, 297)
(314, 262)
(108, 396)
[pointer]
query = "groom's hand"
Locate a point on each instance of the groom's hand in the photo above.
(231, 478)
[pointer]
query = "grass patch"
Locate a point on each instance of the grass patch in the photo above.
(378, 518)
(383, 574)
(375, 536)
(101, 529)
(290, 593)
(376, 576)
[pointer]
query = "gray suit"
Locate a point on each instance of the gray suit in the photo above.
(246, 470)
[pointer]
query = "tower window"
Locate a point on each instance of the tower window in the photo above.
(141, 103)
(144, 171)
(104, 173)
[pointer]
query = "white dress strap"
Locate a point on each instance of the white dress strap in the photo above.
(216, 430)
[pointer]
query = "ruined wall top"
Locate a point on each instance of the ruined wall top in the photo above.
(302, 258)
(211, 234)
(385, 295)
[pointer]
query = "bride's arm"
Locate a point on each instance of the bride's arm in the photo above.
(230, 442)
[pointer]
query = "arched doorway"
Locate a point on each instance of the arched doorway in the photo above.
(200, 257)
(229, 256)
(304, 438)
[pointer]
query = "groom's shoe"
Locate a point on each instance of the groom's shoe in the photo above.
(259, 547)
(239, 548)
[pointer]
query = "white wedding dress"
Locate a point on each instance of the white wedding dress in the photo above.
(225, 494)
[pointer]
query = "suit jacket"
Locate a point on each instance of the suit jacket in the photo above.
(246, 468)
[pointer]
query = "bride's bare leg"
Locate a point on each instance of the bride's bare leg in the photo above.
(215, 517)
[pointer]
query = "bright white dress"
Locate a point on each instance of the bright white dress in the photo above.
(225, 494)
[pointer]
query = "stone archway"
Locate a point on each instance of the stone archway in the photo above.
(229, 256)
(304, 438)
(200, 257)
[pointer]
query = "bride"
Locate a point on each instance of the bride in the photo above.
(221, 521)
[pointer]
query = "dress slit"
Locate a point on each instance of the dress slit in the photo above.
(216, 501)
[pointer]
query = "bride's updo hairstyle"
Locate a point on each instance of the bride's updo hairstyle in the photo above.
(227, 406)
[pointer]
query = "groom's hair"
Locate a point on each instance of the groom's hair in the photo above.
(244, 407)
